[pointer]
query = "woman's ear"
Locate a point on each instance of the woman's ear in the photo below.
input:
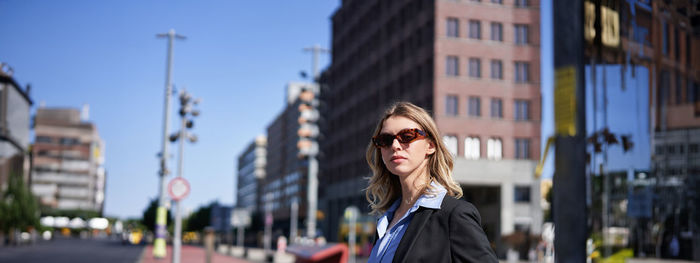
(431, 148)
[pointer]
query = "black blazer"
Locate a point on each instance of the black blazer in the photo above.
(452, 233)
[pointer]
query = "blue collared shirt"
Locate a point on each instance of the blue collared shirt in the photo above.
(389, 239)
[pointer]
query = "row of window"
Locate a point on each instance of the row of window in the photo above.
(680, 148)
(520, 31)
(516, 3)
(666, 31)
(62, 140)
(682, 94)
(494, 147)
(522, 69)
(521, 107)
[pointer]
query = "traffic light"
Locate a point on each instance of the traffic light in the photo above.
(308, 121)
(627, 143)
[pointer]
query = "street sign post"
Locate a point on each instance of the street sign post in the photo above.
(178, 188)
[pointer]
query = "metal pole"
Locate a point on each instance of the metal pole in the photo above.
(569, 195)
(293, 222)
(315, 50)
(312, 196)
(267, 238)
(351, 213)
(312, 188)
(161, 213)
(177, 241)
(240, 236)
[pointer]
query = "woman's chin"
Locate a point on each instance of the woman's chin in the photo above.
(400, 172)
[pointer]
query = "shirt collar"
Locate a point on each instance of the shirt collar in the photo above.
(431, 200)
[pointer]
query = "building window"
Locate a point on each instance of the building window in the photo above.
(522, 110)
(43, 139)
(659, 149)
(69, 141)
(689, 91)
(496, 108)
(452, 66)
(679, 88)
(671, 149)
(496, 31)
(451, 143)
(494, 149)
(522, 72)
(500, 2)
(521, 194)
(521, 34)
(475, 67)
(664, 37)
(688, 50)
(693, 148)
(522, 3)
(474, 29)
(474, 107)
(451, 105)
(664, 87)
(522, 148)
(472, 148)
(677, 44)
(452, 27)
(496, 69)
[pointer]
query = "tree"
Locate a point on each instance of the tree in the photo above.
(19, 209)
(149, 216)
(200, 219)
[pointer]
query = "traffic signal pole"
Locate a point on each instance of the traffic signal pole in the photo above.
(161, 213)
(569, 184)
(312, 187)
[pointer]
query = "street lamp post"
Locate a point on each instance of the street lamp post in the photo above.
(180, 136)
(312, 188)
(161, 212)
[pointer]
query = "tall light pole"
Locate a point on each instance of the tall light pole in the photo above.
(568, 191)
(161, 212)
(186, 103)
(312, 187)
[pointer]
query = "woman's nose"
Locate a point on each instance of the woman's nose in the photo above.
(395, 144)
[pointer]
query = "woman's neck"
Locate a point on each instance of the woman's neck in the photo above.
(412, 186)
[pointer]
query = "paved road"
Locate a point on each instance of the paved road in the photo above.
(76, 250)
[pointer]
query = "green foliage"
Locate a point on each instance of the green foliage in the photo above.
(134, 224)
(149, 216)
(19, 209)
(199, 219)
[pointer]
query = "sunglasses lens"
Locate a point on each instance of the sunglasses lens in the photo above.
(384, 140)
(407, 136)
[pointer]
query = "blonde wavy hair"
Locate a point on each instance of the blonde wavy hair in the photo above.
(384, 187)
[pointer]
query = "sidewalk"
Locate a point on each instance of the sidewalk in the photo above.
(189, 254)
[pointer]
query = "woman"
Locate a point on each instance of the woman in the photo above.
(412, 186)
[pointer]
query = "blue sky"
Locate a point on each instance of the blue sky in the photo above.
(238, 56)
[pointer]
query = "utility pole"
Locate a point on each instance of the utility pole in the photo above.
(293, 222)
(315, 51)
(312, 188)
(161, 213)
(180, 136)
(569, 192)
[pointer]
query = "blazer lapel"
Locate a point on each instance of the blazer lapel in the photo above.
(409, 238)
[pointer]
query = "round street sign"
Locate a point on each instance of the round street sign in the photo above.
(178, 188)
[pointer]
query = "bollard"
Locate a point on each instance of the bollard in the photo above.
(208, 243)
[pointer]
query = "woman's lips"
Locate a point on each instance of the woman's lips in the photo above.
(397, 159)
